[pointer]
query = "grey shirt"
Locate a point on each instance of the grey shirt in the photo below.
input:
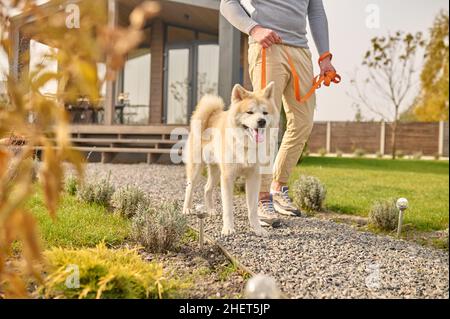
(286, 17)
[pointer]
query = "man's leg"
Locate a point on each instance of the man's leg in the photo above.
(300, 118)
(277, 71)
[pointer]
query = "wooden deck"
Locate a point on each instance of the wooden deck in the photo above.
(108, 141)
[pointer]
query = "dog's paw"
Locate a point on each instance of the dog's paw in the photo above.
(228, 231)
(261, 232)
(187, 211)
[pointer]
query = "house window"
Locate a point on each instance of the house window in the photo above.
(178, 86)
(208, 70)
(136, 88)
(191, 71)
(39, 58)
(133, 91)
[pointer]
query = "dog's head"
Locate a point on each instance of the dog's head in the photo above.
(253, 112)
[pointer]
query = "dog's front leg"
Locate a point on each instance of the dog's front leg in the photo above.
(252, 185)
(226, 185)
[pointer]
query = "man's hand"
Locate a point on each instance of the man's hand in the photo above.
(265, 37)
(326, 66)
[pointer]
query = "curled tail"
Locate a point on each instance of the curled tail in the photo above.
(208, 106)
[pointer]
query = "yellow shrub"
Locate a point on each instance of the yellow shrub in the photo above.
(105, 273)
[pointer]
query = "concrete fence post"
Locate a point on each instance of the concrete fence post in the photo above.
(328, 141)
(383, 138)
(441, 138)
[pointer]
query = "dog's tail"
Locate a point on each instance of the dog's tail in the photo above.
(208, 106)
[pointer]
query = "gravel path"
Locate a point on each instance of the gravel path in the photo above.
(310, 258)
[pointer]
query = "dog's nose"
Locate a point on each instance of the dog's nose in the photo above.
(262, 123)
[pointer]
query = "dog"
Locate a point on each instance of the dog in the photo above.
(210, 144)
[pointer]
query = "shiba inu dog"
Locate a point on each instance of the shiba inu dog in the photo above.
(225, 142)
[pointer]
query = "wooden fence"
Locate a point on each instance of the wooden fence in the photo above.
(372, 137)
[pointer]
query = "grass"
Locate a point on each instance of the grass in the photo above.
(354, 184)
(78, 224)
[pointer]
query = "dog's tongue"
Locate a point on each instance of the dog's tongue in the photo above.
(259, 136)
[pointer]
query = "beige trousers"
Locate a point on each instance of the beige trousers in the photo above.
(299, 116)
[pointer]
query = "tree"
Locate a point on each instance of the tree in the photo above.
(358, 113)
(390, 67)
(433, 100)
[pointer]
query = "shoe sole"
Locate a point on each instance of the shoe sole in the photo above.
(274, 224)
(283, 211)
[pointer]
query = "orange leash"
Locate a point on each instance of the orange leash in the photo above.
(326, 79)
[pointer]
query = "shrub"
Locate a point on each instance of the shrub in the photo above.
(104, 273)
(71, 185)
(309, 193)
(339, 153)
(322, 152)
(437, 156)
(384, 215)
(359, 152)
(159, 229)
(98, 193)
(126, 200)
(417, 155)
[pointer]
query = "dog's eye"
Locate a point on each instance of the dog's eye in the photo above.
(266, 113)
(250, 112)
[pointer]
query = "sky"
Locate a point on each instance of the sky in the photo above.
(350, 38)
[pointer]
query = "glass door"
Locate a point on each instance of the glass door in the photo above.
(191, 70)
(136, 88)
(178, 85)
(207, 70)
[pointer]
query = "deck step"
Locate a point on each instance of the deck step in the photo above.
(123, 141)
(121, 150)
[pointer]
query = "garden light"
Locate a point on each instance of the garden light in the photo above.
(402, 205)
(262, 287)
(201, 215)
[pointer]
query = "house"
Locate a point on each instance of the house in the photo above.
(189, 50)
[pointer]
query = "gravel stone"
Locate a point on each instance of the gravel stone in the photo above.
(310, 258)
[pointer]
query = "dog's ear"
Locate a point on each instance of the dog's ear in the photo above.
(239, 94)
(269, 92)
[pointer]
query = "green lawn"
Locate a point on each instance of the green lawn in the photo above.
(78, 224)
(355, 184)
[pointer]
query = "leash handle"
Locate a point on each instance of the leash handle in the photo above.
(326, 79)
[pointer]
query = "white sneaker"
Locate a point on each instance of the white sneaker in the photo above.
(267, 214)
(283, 204)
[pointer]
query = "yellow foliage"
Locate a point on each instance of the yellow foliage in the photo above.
(30, 121)
(105, 273)
(433, 102)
